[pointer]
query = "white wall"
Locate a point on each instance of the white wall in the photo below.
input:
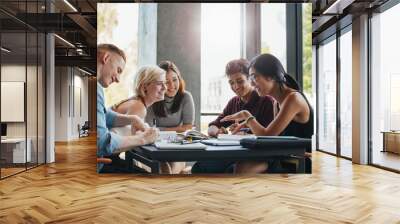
(69, 86)
(33, 127)
(15, 73)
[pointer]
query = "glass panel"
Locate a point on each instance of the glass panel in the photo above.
(273, 30)
(13, 73)
(327, 96)
(112, 20)
(346, 94)
(31, 98)
(220, 43)
(41, 99)
(314, 94)
(385, 85)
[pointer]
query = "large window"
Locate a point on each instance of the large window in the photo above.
(327, 95)
(273, 30)
(307, 51)
(117, 24)
(346, 94)
(385, 84)
(221, 27)
(220, 43)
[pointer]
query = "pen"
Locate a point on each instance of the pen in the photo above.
(245, 129)
(154, 123)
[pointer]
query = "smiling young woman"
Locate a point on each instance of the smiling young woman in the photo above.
(295, 115)
(176, 111)
(149, 87)
(247, 99)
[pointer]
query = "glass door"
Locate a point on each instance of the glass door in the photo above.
(327, 95)
(346, 93)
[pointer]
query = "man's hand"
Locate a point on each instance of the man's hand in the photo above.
(137, 124)
(150, 135)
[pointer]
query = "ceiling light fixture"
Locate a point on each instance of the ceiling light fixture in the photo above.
(64, 40)
(337, 7)
(70, 5)
(84, 71)
(5, 50)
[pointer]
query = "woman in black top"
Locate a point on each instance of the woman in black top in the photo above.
(295, 116)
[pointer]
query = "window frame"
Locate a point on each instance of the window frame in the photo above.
(334, 36)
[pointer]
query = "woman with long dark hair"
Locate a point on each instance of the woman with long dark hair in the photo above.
(176, 111)
(295, 115)
(247, 98)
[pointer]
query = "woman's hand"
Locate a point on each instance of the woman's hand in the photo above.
(233, 126)
(214, 131)
(237, 117)
(236, 128)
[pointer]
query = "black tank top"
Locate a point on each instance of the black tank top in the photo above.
(301, 130)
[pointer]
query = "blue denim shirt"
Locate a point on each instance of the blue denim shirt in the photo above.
(107, 142)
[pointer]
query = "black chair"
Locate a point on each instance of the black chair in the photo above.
(84, 130)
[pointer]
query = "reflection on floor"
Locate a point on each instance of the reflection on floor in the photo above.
(10, 169)
(386, 159)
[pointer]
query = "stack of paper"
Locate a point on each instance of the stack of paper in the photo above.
(218, 142)
(167, 136)
(234, 137)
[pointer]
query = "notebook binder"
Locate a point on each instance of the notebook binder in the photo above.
(265, 142)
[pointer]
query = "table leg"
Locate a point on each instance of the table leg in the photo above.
(155, 167)
(153, 164)
(129, 160)
(302, 165)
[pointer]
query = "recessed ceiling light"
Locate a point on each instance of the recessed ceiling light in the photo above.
(64, 40)
(5, 50)
(71, 6)
(337, 7)
(86, 72)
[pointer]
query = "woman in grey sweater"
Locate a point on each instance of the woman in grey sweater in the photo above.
(176, 111)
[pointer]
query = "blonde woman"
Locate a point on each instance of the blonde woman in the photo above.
(149, 87)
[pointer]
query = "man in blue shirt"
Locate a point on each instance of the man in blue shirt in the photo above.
(110, 64)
